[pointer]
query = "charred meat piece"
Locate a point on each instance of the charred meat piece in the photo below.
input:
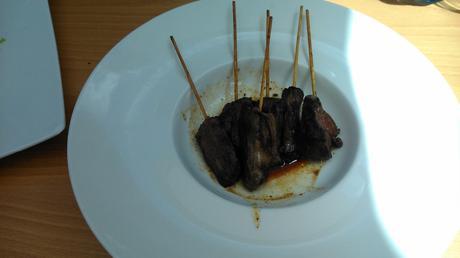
(276, 107)
(230, 118)
(219, 152)
(320, 131)
(292, 100)
(259, 146)
(272, 105)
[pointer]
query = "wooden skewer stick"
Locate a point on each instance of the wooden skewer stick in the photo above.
(235, 53)
(264, 75)
(310, 55)
(266, 21)
(262, 82)
(189, 78)
(267, 73)
(264, 70)
(297, 44)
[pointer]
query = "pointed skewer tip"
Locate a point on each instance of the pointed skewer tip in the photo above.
(189, 78)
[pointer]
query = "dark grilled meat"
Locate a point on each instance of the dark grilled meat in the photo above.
(276, 107)
(259, 146)
(292, 100)
(219, 152)
(230, 118)
(320, 131)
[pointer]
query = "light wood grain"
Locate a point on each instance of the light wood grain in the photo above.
(39, 216)
(433, 30)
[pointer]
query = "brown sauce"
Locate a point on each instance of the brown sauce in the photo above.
(286, 169)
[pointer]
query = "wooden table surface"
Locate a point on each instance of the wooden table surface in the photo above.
(38, 213)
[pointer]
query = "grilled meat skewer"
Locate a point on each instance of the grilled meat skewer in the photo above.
(259, 142)
(292, 100)
(319, 130)
(219, 152)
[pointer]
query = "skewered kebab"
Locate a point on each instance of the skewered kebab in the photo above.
(231, 112)
(230, 118)
(291, 99)
(269, 104)
(253, 133)
(320, 132)
(215, 144)
(287, 109)
(244, 142)
(219, 152)
(276, 107)
(259, 147)
(258, 135)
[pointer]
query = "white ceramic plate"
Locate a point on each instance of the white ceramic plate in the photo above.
(31, 103)
(391, 191)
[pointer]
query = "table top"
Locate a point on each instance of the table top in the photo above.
(39, 216)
